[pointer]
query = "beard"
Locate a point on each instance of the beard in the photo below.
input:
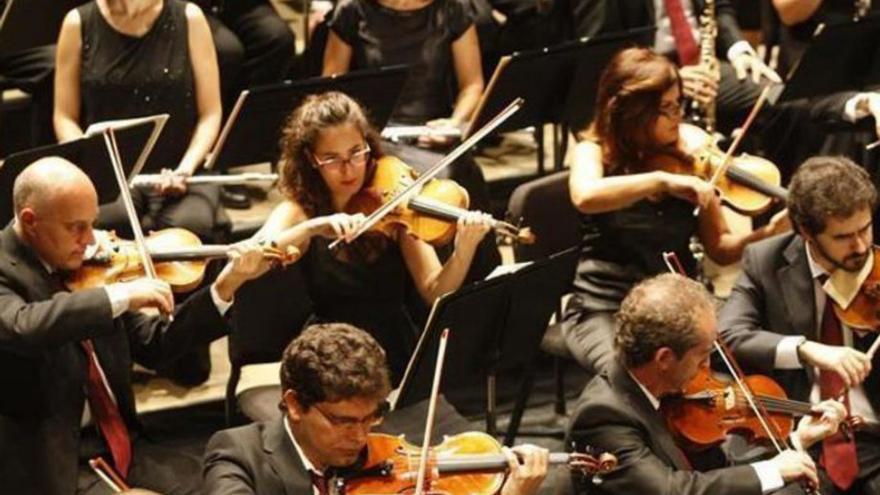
(851, 263)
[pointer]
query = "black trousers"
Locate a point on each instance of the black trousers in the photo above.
(590, 339)
(154, 467)
(31, 71)
(254, 46)
(198, 211)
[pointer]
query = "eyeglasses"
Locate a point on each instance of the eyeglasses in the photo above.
(672, 110)
(371, 420)
(356, 159)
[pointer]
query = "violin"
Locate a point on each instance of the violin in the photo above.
(468, 463)
(750, 183)
(431, 215)
(179, 256)
(863, 312)
(712, 406)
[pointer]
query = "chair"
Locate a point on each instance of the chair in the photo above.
(268, 313)
(544, 205)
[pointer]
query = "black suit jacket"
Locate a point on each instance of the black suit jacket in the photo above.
(774, 298)
(256, 458)
(43, 369)
(616, 416)
(592, 17)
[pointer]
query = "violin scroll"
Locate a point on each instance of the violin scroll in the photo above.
(590, 464)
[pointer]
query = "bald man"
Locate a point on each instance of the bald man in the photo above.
(65, 357)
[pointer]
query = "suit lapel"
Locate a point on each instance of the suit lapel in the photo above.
(652, 418)
(284, 459)
(795, 282)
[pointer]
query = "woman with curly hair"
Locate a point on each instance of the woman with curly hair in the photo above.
(329, 153)
(632, 212)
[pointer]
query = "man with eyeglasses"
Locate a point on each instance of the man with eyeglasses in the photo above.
(335, 381)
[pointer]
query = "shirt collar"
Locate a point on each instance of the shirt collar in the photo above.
(305, 460)
(655, 402)
(816, 270)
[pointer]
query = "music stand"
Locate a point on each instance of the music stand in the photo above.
(90, 154)
(549, 79)
(495, 325)
(597, 52)
(253, 129)
(840, 57)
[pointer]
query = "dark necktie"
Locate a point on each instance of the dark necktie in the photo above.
(320, 483)
(838, 452)
(685, 44)
(106, 413)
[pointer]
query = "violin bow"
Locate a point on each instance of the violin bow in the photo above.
(721, 171)
(453, 155)
(133, 220)
(777, 439)
(432, 410)
(108, 475)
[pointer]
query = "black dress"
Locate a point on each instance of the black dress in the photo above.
(620, 248)
(370, 295)
(380, 36)
(124, 77)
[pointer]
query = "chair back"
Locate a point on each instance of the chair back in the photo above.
(544, 205)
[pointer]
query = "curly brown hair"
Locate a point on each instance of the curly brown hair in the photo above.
(658, 312)
(300, 181)
(826, 187)
(628, 104)
(332, 362)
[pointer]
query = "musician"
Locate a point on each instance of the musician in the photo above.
(433, 35)
(778, 318)
(66, 357)
(329, 407)
(120, 59)
(329, 152)
(665, 332)
(677, 36)
(630, 210)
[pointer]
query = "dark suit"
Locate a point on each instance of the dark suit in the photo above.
(43, 369)
(774, 298)
(256, 458)
(616, 416)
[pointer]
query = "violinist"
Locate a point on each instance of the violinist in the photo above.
(329, 406)
(779, 320)
(66, 357)
(632, 210)
(329, 152)
(664, 337)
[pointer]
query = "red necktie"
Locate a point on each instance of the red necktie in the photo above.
(685, 44)
(106, 413)
(838, 452)
(319, 482)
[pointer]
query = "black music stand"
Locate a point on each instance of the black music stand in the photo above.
(495, 325)
(88, 153)
(580, 101)
(549, 79)
(840, 57)
(253, 129)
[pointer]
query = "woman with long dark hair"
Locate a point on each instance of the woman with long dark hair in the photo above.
(631, 210)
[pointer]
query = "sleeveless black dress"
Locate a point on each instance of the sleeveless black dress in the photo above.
(125, 76)
(370, 295)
